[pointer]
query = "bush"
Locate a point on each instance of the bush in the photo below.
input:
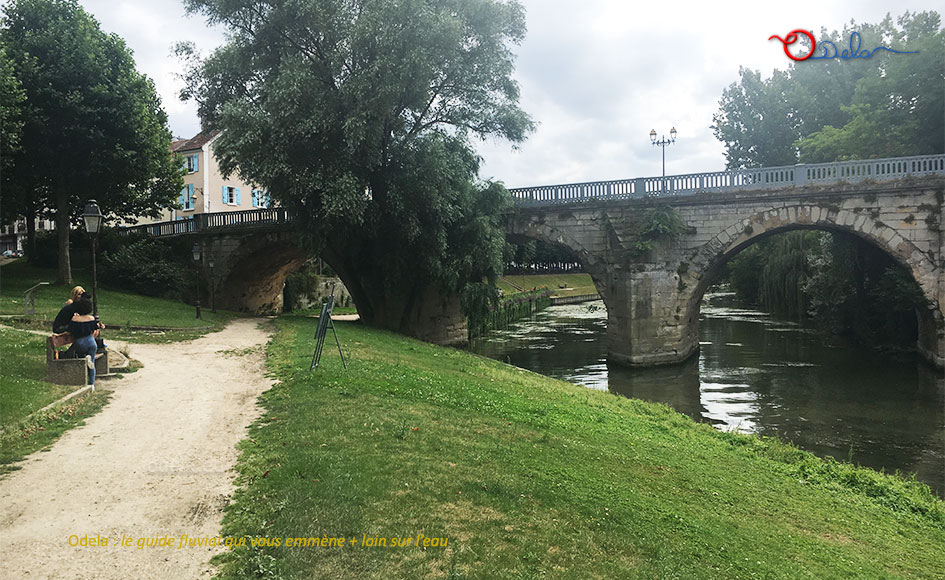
(300, 285)
(148, 266)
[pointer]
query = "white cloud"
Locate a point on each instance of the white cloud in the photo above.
(596, 75)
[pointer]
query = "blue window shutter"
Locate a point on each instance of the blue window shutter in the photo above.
(237, 196)
(183, 192)
(190, 196)
(255, 198)
(266, 203)
(196, 163)
(225, 197)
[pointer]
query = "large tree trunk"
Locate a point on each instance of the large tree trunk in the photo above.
(31, 231)
(421, 311)
(62, 231)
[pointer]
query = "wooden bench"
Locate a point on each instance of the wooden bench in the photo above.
(70, 371)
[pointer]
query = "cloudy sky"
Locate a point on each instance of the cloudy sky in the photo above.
(596, 75)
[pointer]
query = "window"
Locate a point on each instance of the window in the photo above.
(260, 198)
(191, 165)
(231, 195)
(187, 197)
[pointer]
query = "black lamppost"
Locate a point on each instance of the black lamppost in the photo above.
(93, 223)
(213, 286)
(663, 143)
(196, 253)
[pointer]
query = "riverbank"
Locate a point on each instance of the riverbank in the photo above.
(561, 285)
(760, 374)
(526, 476)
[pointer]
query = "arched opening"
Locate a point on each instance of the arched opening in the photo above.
(556, 253)
(836, 278)
(252, 276)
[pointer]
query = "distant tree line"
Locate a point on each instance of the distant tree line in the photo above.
(537, 257)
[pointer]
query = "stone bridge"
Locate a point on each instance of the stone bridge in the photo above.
(252, 253)
(653, 297)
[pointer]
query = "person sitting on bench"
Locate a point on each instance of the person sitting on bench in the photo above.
(61, 323)
(81, 327)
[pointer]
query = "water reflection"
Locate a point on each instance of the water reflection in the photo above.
(759, 374)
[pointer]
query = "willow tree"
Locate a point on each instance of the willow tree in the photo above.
(358, 115)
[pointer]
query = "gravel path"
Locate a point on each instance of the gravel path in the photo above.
(155, 462)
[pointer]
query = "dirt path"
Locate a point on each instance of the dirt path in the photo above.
(155, 461)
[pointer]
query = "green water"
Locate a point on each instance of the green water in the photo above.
(758, 374)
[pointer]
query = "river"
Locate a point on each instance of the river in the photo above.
(758, 374)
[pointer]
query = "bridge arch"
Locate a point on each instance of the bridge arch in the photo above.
(705, 263)
(592, 262)
(251, 269)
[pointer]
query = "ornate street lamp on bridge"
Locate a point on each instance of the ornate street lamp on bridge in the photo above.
(663, 143)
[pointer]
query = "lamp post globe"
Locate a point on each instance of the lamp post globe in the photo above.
(663, 143)
(92, 216)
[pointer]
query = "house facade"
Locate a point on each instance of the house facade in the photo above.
(206, 189)
(13, 236)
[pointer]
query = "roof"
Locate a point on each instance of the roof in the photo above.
(193, 143)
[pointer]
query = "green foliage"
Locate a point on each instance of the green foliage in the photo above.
(538, 255)
(375, 105)
(93, 126)
(300, 285)
(510, 308)
(661, 222)
(772, 273)
(11, 111)
(785, 272)
(847, 286)
(830, 110)
(755, 121)
(147, 266)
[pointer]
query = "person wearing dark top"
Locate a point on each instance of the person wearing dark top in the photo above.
(61, 323)
(81, 327)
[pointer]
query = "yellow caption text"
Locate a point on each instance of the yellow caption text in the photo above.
(187, 541)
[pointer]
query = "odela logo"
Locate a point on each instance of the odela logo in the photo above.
(828, 49)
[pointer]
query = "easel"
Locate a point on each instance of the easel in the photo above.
(324, 321)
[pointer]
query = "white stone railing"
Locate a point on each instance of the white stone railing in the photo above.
(740, 179)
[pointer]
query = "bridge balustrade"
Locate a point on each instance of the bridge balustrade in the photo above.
(735, 180)
(207, 221)
(637, 188)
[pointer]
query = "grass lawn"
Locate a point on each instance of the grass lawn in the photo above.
(23, 391)
(529, 477)
(576, 284)
(115, 307)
